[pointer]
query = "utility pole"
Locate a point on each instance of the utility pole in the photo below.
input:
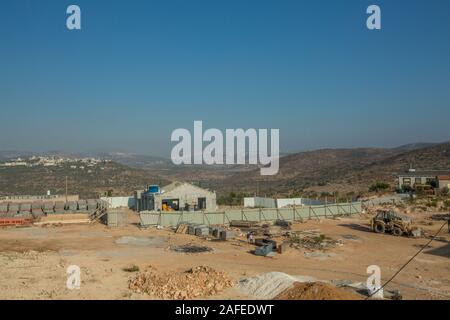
(66, 189)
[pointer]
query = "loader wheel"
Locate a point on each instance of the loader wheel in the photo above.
(397, 232)
(379, 228)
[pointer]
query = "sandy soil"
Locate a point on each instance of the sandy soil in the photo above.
(33, 260)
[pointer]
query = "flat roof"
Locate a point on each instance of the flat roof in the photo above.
(424, 173)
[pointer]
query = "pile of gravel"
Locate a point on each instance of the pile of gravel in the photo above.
(269, 285)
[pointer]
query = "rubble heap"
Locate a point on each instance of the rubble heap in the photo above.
(312, 240)
(316, 291)
(199, 281)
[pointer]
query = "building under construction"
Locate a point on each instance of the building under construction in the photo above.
(177, 196)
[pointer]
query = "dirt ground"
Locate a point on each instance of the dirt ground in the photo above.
(34, 260)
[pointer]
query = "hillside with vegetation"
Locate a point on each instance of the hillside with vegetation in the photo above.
(327, 172)
(104, 178)
(342, 171)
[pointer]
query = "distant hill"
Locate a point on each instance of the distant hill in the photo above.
(87, 182)
(7, 155)
(432, 157)
(414, 146)
(301, 171)
(137, 161)
(328, 170)
(337, 170)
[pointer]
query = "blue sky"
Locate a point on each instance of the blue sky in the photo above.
(140, 69)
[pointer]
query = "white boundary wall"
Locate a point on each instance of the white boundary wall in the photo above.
(259, 202)
(119, 202)
(281, 203)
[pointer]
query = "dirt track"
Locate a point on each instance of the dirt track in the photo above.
(33, 260)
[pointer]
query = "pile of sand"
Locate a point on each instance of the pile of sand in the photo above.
(316, 291)
(196, 282)
(268, 285)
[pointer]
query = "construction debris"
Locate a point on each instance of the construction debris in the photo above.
(264, 250)
(268, 285)
(65, 218)
(266, 241)
(282, 248)
(440, 217)
(316, 291)
(312, 240)
(182, 228)
(201, 281)
(15, 221)
(283, 223)
(201, 230)
(192, 249)
(142, 241)
(272, 231)
(244, 224)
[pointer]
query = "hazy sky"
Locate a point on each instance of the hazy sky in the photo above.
(140, 69)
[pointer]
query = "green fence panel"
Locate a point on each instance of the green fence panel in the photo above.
(332, 210)
(215, 218)
(260, 215)
(302, 213)
(252, 215)
(169, 219)
(268, 214)
(234, 215)
(148, 219)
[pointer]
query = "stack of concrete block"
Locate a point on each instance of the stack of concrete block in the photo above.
(82, 205)
(23, 214)
(3, 209)
(13, 209)
(48, 207)
(60, 207)
(226, 235)
(92, 204)
(37, 209)
(72, 206)
(202, 231)
(25, 208)
(216, 231)
(36, 206)
(191, 229)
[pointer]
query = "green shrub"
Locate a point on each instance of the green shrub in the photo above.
(232, 199)
(379, 186)
(432, 203)
(132, 268)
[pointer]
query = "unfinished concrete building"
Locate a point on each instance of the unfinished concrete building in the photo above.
(177, 196)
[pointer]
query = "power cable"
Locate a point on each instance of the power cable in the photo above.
(412, 258)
